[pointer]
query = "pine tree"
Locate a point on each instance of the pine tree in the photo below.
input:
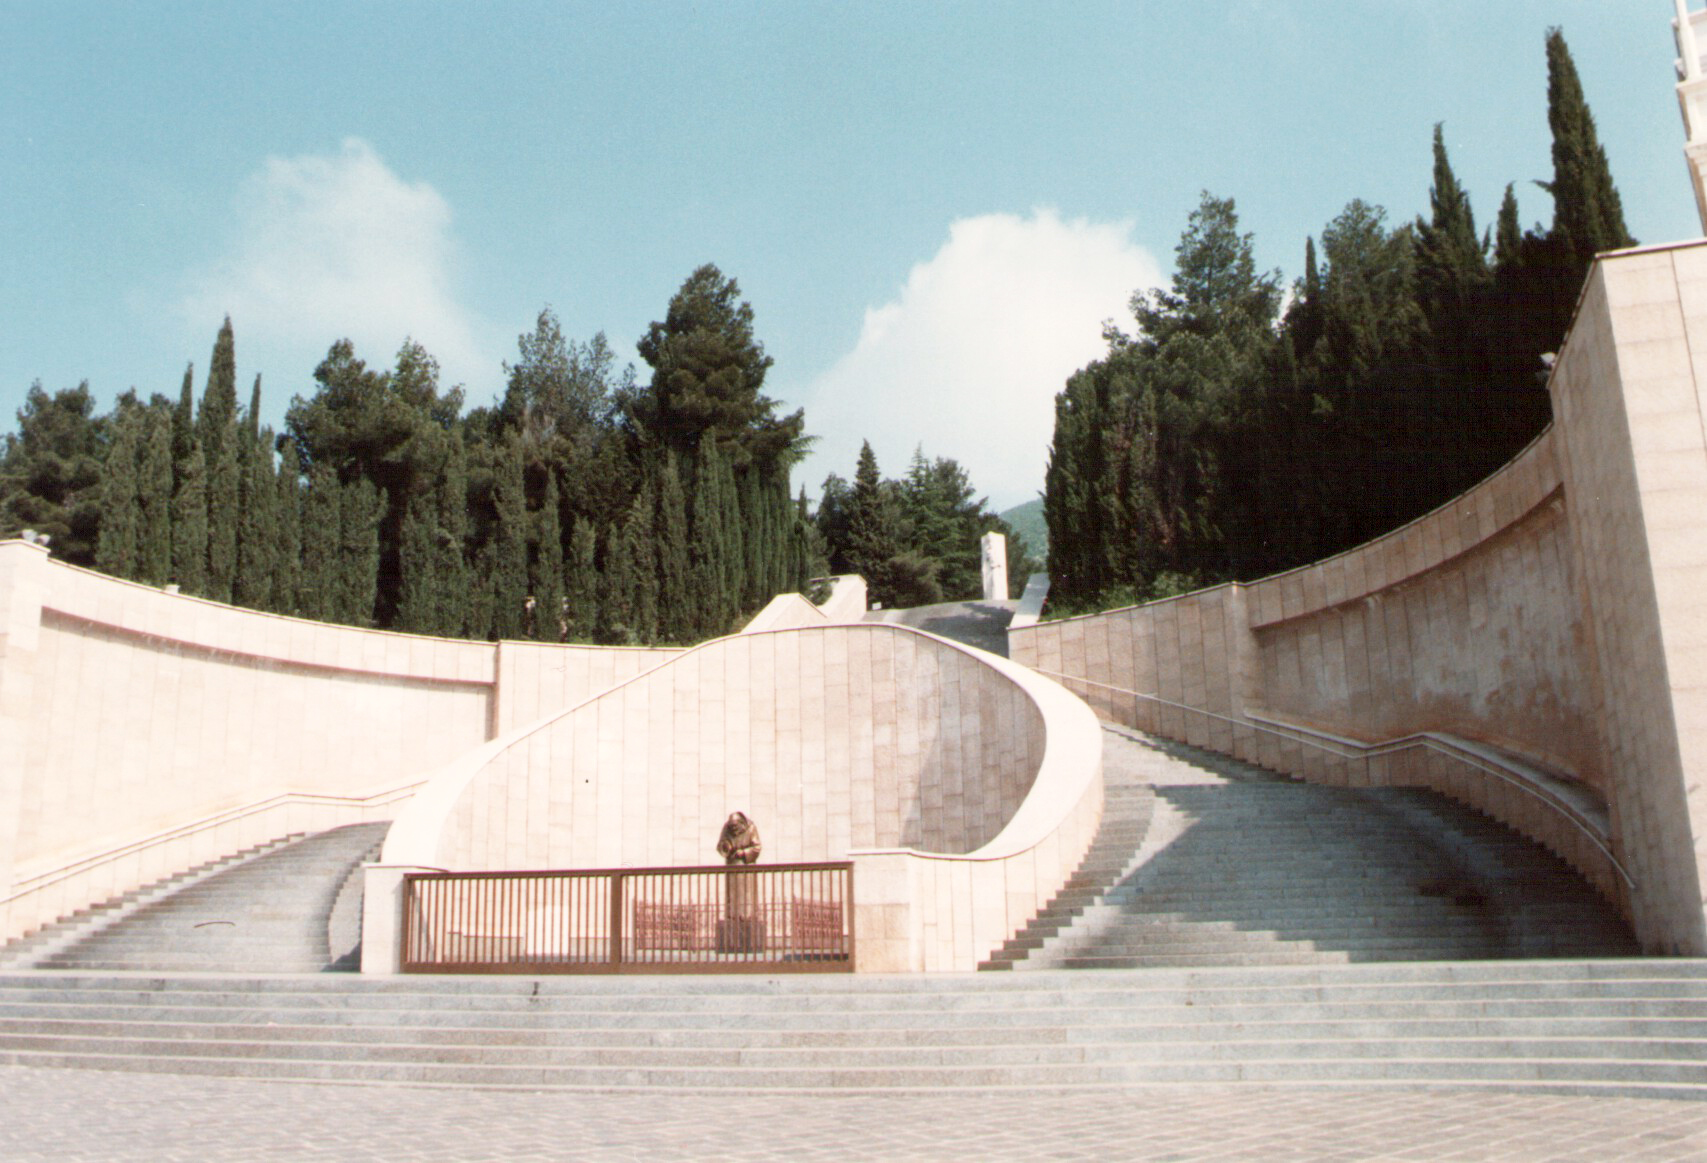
(548, 566)
(1588, 216)
(708, 372)
(154, 494)
(216, 425)
(121, 512)
(189, 522)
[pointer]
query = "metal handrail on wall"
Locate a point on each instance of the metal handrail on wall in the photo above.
(708, 919)
(1353, 750)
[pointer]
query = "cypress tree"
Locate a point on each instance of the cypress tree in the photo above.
(257, 525)
(616, 590)
(582, 591)
(709, 546)
(418, 598)
(121, 512)
(755, 545)
(548, 566)
(1508, 234)
(1588, 216)
(1451, 265)
(216, 426)
(453, 584)
(509, 544)
(638, 546)
(361, 506)
(184, 424)
(480, 594)
(189, 522)
(676, 618)
(252, 420)
(322, 538)
(287, 581)
(154, 494)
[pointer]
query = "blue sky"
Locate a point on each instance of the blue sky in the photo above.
(930, 206)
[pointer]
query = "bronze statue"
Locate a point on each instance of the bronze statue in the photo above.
(739, 842)
(741, 930)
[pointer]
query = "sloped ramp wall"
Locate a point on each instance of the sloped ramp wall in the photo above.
(1536, 648)
(964, 788)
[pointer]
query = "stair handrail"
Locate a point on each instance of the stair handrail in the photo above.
(1344, 748)
(36, 882)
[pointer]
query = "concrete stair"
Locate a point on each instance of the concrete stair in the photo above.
(275, 911)
(1202, 860)
(1630, 1027)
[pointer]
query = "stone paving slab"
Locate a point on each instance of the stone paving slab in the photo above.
(70, 1115)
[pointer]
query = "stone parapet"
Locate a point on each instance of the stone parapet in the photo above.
(1548, 620)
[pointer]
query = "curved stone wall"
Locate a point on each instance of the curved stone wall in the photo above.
(966, 789)
(1534, 648)
(148, 732)
(833, 739)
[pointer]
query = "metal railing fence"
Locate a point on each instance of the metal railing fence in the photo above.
(710, 919)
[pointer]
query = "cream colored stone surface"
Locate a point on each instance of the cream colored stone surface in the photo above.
(1553, 613)
(148, 732)
(964, 788)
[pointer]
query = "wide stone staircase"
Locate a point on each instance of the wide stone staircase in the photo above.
(1203, 860)
(1632, 1027)
(290, 907)
(1262, 932)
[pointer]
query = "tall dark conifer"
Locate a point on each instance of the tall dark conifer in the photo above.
(548, 566)
(121, 511)
(189, 522)
(675, 585)
(287, 581)
(1588, 216)
(582, 588)
(360, 509)
(509, 544)
(154, 495)
(322, 540)
(257, 525)
(216, 425)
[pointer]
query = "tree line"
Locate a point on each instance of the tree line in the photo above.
(581, 506)
(1238, 430)
(915, 540)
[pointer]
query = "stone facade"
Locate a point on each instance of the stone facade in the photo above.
(1536, 648)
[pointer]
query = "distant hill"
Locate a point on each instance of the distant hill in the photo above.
(1027, 521)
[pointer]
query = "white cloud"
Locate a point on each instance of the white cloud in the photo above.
(968, 359)
(333, 246)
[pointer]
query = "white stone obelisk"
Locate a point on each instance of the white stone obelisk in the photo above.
(995, 548)
(1690, 28)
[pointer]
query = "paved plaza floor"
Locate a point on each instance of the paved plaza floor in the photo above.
(64, 1115)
